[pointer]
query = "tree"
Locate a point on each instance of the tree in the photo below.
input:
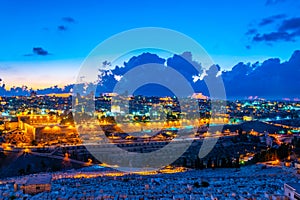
(43, 164)
(21, 172)
(34, 143)
(28, 168)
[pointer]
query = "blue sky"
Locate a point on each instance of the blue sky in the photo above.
(43, 43)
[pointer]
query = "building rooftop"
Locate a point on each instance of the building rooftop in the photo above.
(39, 179)
(294, 185)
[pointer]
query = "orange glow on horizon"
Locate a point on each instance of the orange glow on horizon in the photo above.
(34, 86)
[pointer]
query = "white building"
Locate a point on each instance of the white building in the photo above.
(292, 190)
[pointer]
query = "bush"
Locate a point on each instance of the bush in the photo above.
(12, 197)
(204, 184)
(197, 185)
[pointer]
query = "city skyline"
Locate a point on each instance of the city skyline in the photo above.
(110, 99)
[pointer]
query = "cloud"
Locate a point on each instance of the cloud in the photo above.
(39, 51)
(274, 36)
(62, 28)
(251, 31)
(290, 24)
(108, 77)
(271, 79)
(185, 65)
(68, 19)
(287, 31)
(271, 20)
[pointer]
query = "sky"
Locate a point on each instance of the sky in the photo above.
(43, 43)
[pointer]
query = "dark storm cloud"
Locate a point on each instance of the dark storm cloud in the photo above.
(290, 24)
(68, 19)
(183, 63)
(39, 51)
(251, 31)
(66, 22)
(107, 77)
(62, 28)
(270, 79)
(271, 20)
(287, 31)
(274, 37)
